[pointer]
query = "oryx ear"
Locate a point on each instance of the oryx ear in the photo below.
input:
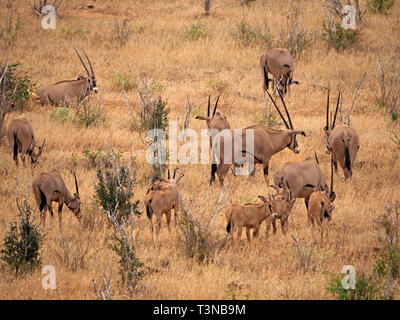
(295, 82)
(286, 66)
(262, 198)
(201, 118)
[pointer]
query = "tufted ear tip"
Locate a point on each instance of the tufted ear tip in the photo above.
(303, 133)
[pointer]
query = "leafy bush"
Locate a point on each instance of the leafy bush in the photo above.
(338, 37)
(380, 6)
(124, 81)
(196, 32)
(61, 114)
(364, 289)
(90, 113)
(246, 35)
(75, 32)
(18, 85)
(22, 244)
(114, 190)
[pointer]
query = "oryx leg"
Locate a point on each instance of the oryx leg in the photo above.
(222, 170)
(265, 170)
(239, 233)
(306, 202)
(284, 225)
(158, 225)
(168, 216)
(60, 207)
(248, 234)
(256, 231)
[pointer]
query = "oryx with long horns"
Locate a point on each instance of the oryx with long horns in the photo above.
(49, 187)
(70, 91)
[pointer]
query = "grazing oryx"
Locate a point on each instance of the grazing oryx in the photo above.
(279, 63)
(300, 178)
(249, 215)
(281, 204)
(267, 142)
(21, 139)
(69, 91)
(342, 141)
(49, 187)
(320, 207)
(161, 197)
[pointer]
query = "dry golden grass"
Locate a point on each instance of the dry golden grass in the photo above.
(269, 268)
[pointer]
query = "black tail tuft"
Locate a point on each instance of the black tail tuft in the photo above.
(213, 171)
(347, 162)
(15, 148)
(149, 211)
(43, 201)
(228, 226)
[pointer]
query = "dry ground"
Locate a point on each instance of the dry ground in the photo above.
(269, 268)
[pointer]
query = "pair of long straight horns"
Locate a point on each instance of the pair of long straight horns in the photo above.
(174, 173)
(332, 124)
(209, 106)
(90, 64)
(76, 184)
(290, 124)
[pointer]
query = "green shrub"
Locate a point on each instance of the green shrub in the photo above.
(364, 289)
(22, 244)
(338, 37)
(61, 114)
(124, 81)
(18, 86)
(90, 113)
(75, 32)
(196, 32)
(380, 6)
(246, 35)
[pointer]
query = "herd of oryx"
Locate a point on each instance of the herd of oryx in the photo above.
(303, 179)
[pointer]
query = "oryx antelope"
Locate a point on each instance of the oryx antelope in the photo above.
(320, 207)
(161, 197)
(267, 142)
(21, 139)
(248, 215)
(300, 178)
(281, 205)
(279, 63)
(216, 122)
(49, 187)
(342, 141)
(69, 91)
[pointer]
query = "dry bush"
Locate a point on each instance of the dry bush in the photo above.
(37, 6)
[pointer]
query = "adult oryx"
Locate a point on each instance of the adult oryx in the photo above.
(21, 139)
(301, 178)
(342, 141)
(258, 143)
(69, 91)
(49, 187)
(279, 63)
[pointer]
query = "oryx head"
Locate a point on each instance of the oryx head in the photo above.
(282, 201)
(92, 85)
(75, 204)
(292, 144)
(35, 156)
(215, 121)
(286, 79)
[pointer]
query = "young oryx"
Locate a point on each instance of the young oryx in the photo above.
(69, 91)
(21, 139)
(49, 187)
(249, 215)
(279, 63)
(342, 141)
(161, 197)
(320, 207)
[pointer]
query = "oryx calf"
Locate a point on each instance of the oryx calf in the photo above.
(161, 197)
(342, 141)
(69, 91)
(279, 63)
(21, 139)
(320, 207)
(281, 205)
(248, 215)
(49, 187)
